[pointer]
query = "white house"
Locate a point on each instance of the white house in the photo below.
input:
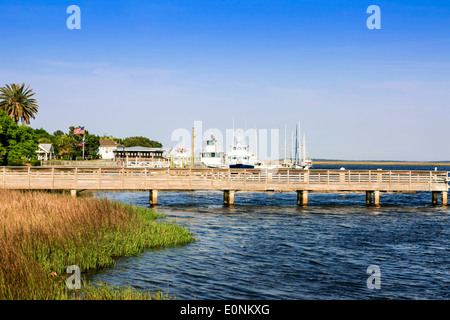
(107, 148)
(45, 151)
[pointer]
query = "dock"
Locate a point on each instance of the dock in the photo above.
(230, 181)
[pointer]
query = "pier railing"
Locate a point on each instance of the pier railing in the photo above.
(280, 180)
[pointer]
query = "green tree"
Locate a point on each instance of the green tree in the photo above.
(17, 102)
(18, 143)
(92, 143)
(141, 142)
(64, 144)
(58, 133)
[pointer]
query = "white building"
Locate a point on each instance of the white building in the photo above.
(107, 148)
(45, 151)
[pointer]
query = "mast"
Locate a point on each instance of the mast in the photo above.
(304, 147)
(285, 143)
(192, 151)
(296, 144)
(256, 142)
(291, 154)
(279, 144)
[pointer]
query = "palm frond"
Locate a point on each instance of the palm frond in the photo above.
(17, 102)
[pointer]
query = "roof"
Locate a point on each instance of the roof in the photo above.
(108, 143)
(140, 149)
(46, 147)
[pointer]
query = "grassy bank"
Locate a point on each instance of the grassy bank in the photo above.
(42, 234)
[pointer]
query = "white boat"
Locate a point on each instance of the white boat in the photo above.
(240, 156)
(212, 156)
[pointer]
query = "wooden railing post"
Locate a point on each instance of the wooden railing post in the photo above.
(100, 178)
(145, 173)
(409, 183)
(190, 178)
(328, 177)
(430, 181)
(390, 174)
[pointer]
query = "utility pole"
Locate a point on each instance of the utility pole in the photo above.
(84, 134)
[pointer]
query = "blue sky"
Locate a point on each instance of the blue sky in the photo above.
(148, 68)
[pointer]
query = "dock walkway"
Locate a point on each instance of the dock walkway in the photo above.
(372, 182)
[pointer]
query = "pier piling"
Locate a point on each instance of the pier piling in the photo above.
(369, 197)
(153, 197)
(228, 197)
(302, 197)
(376, 197)
(434, 197)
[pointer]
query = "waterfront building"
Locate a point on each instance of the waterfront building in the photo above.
(141, 157)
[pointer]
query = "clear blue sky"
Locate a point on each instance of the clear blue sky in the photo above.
(150, 67)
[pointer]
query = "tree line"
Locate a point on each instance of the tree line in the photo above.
(19, 142)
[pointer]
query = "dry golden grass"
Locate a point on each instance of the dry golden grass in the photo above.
(41, 234)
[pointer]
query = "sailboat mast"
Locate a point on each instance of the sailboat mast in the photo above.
(285, 143)
(192, 151)
(256, 142)
(296, 144)
(304, 146)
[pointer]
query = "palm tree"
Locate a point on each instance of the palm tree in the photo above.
(17, 102)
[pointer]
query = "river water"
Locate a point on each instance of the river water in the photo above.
(266, 247)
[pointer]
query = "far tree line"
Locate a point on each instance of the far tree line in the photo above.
(19, 142)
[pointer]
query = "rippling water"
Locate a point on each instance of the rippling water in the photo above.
(266, 247)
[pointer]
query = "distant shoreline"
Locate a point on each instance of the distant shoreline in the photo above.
(388, 163)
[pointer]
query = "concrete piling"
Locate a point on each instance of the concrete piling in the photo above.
(153, 197)
(228, 197)
(302, 197)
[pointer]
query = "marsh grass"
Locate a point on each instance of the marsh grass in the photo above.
(41, 234)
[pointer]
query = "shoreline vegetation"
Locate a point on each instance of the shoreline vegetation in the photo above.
(45, 233)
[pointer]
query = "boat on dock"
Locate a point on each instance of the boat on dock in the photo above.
(212, 156)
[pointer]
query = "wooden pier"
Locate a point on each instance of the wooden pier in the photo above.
(373, 183)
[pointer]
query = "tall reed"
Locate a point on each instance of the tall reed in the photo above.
(41, 234)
